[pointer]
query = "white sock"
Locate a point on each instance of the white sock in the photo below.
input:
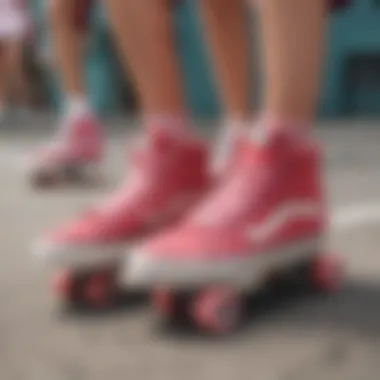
(231, 131)
(76, 108)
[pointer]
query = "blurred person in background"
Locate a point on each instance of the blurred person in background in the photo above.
(15, 27)
(78, 144)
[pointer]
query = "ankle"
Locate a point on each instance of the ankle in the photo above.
(275, 121)
(177, 126)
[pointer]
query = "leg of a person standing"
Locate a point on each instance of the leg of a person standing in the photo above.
(68, 25)
(144, 33)
(293, 58)
(225, 25)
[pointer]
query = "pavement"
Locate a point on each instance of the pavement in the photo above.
(291, 338)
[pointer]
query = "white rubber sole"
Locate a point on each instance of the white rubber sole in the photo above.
(144, 271)
(84, 256)
(78, 256)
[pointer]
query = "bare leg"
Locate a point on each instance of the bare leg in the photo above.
(225, 26)
(16, 73)
(69, 45)
(226, 29)
(293, 56)
(144, 33)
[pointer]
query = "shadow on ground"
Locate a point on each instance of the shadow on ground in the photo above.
(355, 310)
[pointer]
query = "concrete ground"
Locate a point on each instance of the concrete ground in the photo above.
(304, 338)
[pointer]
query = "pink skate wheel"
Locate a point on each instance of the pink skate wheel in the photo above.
(98, 290)
(63, 284)
(217, 310)
(163, 302)
(327, 274)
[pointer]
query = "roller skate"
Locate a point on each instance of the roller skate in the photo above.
(168, 176)
(266, 219)
(73, 157)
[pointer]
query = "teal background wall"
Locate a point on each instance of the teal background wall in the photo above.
(354, 30)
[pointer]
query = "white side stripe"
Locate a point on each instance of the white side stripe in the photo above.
(286, 212)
